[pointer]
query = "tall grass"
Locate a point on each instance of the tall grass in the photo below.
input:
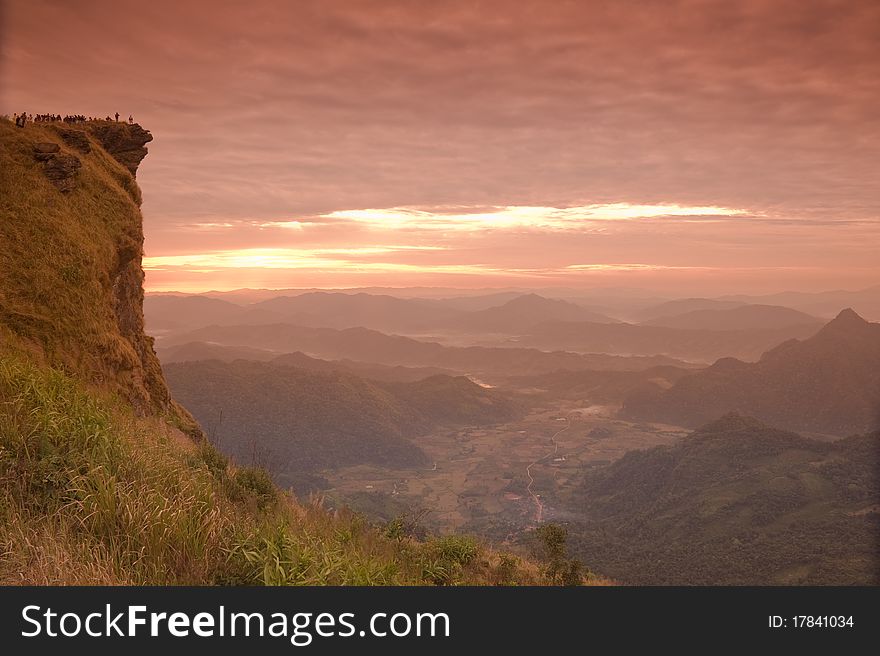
(91, 494)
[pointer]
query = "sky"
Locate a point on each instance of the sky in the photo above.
(689, 146)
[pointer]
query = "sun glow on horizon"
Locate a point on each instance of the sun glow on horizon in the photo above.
(525, 216)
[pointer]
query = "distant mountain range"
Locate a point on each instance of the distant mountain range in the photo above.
(378, 312)
(681, 306)
(371, 370)
(743, 317)
(735, 503)
(702, 345)
(364, 345)
(297, 422)
(193, 351)
(508, 314)
(865, 302)
(829, 383)
(521, 314)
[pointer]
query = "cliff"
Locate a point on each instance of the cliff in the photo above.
(71, 244)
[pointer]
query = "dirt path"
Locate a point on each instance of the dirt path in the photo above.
(539, 505)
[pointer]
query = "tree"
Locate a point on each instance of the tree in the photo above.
(560, 569)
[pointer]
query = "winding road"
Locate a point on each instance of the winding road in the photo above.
(539, 505)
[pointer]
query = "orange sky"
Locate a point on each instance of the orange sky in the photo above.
(686, 145)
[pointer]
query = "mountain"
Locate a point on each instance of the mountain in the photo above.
(829, 383)
(480, 302)
(366, 345)
(641, 340)
(192, 351)
(204, 351)
(866, 302)
(735, 503)
(682, 306)
(597, 387)
(298, 422)
(341, 310)
(454, 400)
(371, 370)
(163, 313)
(522, 313)
(104, 478)
(745, 317)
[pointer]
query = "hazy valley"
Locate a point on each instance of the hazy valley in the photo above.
(491, 413)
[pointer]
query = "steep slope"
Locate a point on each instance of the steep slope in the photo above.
(746, 317)
(71, 242)
(736, 502)
(829, 383)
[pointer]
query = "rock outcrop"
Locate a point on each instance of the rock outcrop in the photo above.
(60, 168)
(125, 142)
(71, 281)
(76, 139)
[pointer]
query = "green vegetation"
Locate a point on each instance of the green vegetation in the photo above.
(298, 422)
(736, 503)
(90, 494)
(829, 383)
(553, 550)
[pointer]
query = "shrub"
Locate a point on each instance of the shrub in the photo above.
(258, 484)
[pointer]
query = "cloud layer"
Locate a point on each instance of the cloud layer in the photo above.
(462, 139)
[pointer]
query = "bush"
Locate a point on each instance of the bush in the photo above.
(257, 483)
(208, 455)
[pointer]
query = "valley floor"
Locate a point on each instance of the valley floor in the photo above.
(478, 480)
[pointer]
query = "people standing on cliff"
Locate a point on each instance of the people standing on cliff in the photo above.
(117, 117)
(130, 120)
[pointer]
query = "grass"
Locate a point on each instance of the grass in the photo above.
(91, 494)
(70, 275)
(98, 483)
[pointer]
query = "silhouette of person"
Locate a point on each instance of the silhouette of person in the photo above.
(117, 117)
(130, 119)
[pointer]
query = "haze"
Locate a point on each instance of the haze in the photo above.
(705, 147)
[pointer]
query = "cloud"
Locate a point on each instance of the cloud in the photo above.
(279, 119)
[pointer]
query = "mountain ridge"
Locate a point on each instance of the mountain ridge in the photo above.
(828, 383)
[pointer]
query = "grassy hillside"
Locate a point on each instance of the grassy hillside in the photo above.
(92, 494)
(736, 503)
